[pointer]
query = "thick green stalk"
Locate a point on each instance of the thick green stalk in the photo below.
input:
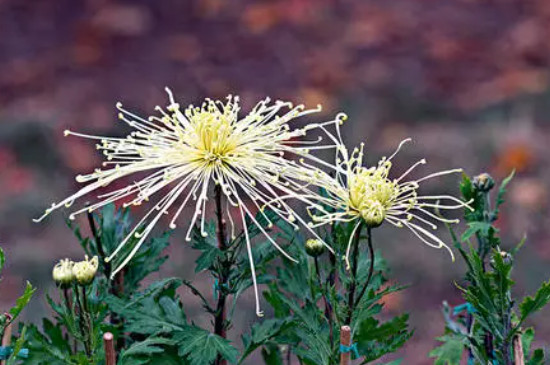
(116, 284)
(354, 264)
(220, 321)
(328, 308)
(85, 331)
(371, 267)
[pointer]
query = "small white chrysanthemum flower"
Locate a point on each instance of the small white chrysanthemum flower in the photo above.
(84, 271)
(62, 272)
(185, 152)
(369, 196)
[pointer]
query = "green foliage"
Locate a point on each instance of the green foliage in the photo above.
(22, 301)
(112, 226)
(375, 339)
(533, 304)
(83, 314)
(145, 351)
(493, 319)
(311, 308)
(14, 312)
(200, 346)
(450, 352)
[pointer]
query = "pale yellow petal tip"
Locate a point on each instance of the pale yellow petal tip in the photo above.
(66, 132)
(259, 313)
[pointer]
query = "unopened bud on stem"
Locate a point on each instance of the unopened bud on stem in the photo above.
(314, 247)
(62, 272)
(483, 182)
(84, 271)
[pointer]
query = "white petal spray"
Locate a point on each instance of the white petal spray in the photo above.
(184, 153)
(368, 195)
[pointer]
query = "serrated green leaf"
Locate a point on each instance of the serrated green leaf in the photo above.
(272, 355)
(535, 303)
(22, 301)
(450, 352)
(17, 347)
(375, 340)
(476, 227)
(157, 310)
(527, 338)
(148, 347)
(261, 333)
(203, 347)
(466, 187)
(207, 258)
(502, 191)
(44, 350)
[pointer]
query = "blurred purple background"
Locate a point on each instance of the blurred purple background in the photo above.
(466, 79)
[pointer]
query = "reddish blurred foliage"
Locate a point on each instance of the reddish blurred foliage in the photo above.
(519, 157)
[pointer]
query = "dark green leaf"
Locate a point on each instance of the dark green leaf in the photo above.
(537, 358)
(202, 347)
(272, 355)
(535, 303)
(22, 301)
(476, 227)
(502, 191)
(450, 352)
(148, 348)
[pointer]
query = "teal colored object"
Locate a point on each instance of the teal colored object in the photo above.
(464, 307)
(216, 288)
(6, 351)
(353, 348)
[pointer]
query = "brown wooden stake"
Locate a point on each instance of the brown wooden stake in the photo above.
(345, 340)
(518, 351)
(108, 343)
(6, 339)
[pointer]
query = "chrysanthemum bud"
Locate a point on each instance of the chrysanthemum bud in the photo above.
(63, 272)
(507, 258)
(314, 247)
(483, 182)
(374, 215)
(84, 271)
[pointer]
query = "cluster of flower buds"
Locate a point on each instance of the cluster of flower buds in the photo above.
(65, 272)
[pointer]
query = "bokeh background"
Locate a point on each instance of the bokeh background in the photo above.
(466, 79)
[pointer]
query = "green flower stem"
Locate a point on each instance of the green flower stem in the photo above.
(371, 267)
(354, 264)
(116, 284)
(88, 319)
(220, 320)
(70, 308)
(328, 308)
(99, 246)
(483, 250)
(85, 333)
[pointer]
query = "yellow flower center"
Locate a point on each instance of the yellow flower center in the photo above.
(211, 134)
(372, 193)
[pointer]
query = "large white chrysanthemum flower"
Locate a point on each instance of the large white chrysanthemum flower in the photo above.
(367, 195)
(184, 153)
